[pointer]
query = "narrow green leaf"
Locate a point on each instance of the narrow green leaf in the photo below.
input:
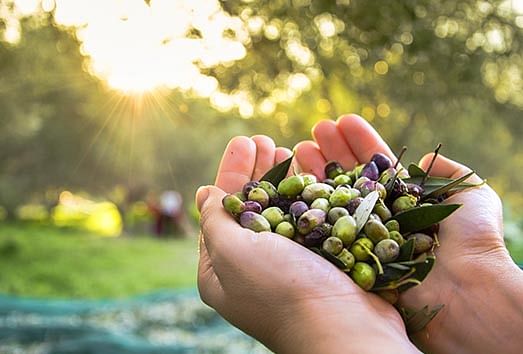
(422, 217)
(406, 251)
(333, 259)
(276, 174)
(416, 320)
(446, 188)
(415, 171)
(420, 273)
(390, 278)
(434, 183)
(363, 211)
(328, 256)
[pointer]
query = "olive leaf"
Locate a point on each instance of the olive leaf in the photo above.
(415, 171)
(390, 277)
(416, 320)
(333, 259)
(363, 211)
(406, 250)
(276, 174)
(433, 183)
(420, 273)
(447, 187)
(422, 217)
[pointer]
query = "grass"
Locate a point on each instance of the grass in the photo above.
(41, 261)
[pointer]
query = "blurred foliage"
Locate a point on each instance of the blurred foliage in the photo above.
(421, 72)
(44, 261)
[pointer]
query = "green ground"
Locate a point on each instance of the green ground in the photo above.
(49, 262)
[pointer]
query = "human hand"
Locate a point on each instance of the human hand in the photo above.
(474, 276)
(274, 289)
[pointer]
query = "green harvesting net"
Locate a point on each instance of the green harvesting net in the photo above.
(165, 322)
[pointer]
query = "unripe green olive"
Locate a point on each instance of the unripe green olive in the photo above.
(269, 188)
(396, 236)
(336, 213)
(376, 231)
(285, 229)
(390, 295)
(381, 209)
(392, 225)
(361, 247)
(291, 186)
(233, 204)
(274, 216)
(316, 190)
(254, 221)
(403, 203)
(387, 250)
(259, 195)
(341, 197)
(363, 275)
(321, 203)
(332, 245)
(345, 229)
(342, 179)
(346, 258)
(309, 179)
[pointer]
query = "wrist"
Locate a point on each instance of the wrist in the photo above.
(481, 314)
(339, 325)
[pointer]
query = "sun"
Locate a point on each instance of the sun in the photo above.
(138, 47)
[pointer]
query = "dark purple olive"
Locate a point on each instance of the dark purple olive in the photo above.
(282, 202)
(251, 205)
(316, 237)
(249, 186)
(298, 208)
(371, 171)
(414, 189)
(354, 204)
(382, 161)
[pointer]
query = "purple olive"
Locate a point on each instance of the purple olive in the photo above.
(251, 205)
(371, 171)
(382, 161)
(249, 186)
(296, 209)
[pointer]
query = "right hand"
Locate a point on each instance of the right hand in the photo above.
(474, 276)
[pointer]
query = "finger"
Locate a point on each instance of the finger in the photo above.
(237, 164)
(445, 167)
(283, 154)
(362, 139)
(265, 151)
(310, 158)
(332, 144)
(219, 229)
(209, 285)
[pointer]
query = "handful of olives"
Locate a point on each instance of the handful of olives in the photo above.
(378, 223)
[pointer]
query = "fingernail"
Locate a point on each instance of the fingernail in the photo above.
(201, 196)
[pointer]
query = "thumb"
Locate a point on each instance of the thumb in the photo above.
(201, 196)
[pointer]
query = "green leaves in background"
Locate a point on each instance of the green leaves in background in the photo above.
(276, 174)
(419, 218)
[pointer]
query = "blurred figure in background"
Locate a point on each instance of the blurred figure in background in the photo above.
(168, 214)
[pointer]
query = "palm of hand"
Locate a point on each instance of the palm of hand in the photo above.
(471, 238)
(265, 275)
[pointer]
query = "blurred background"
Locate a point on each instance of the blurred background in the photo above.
(113, 112)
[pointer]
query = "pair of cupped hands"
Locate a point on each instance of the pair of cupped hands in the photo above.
(294, 301)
